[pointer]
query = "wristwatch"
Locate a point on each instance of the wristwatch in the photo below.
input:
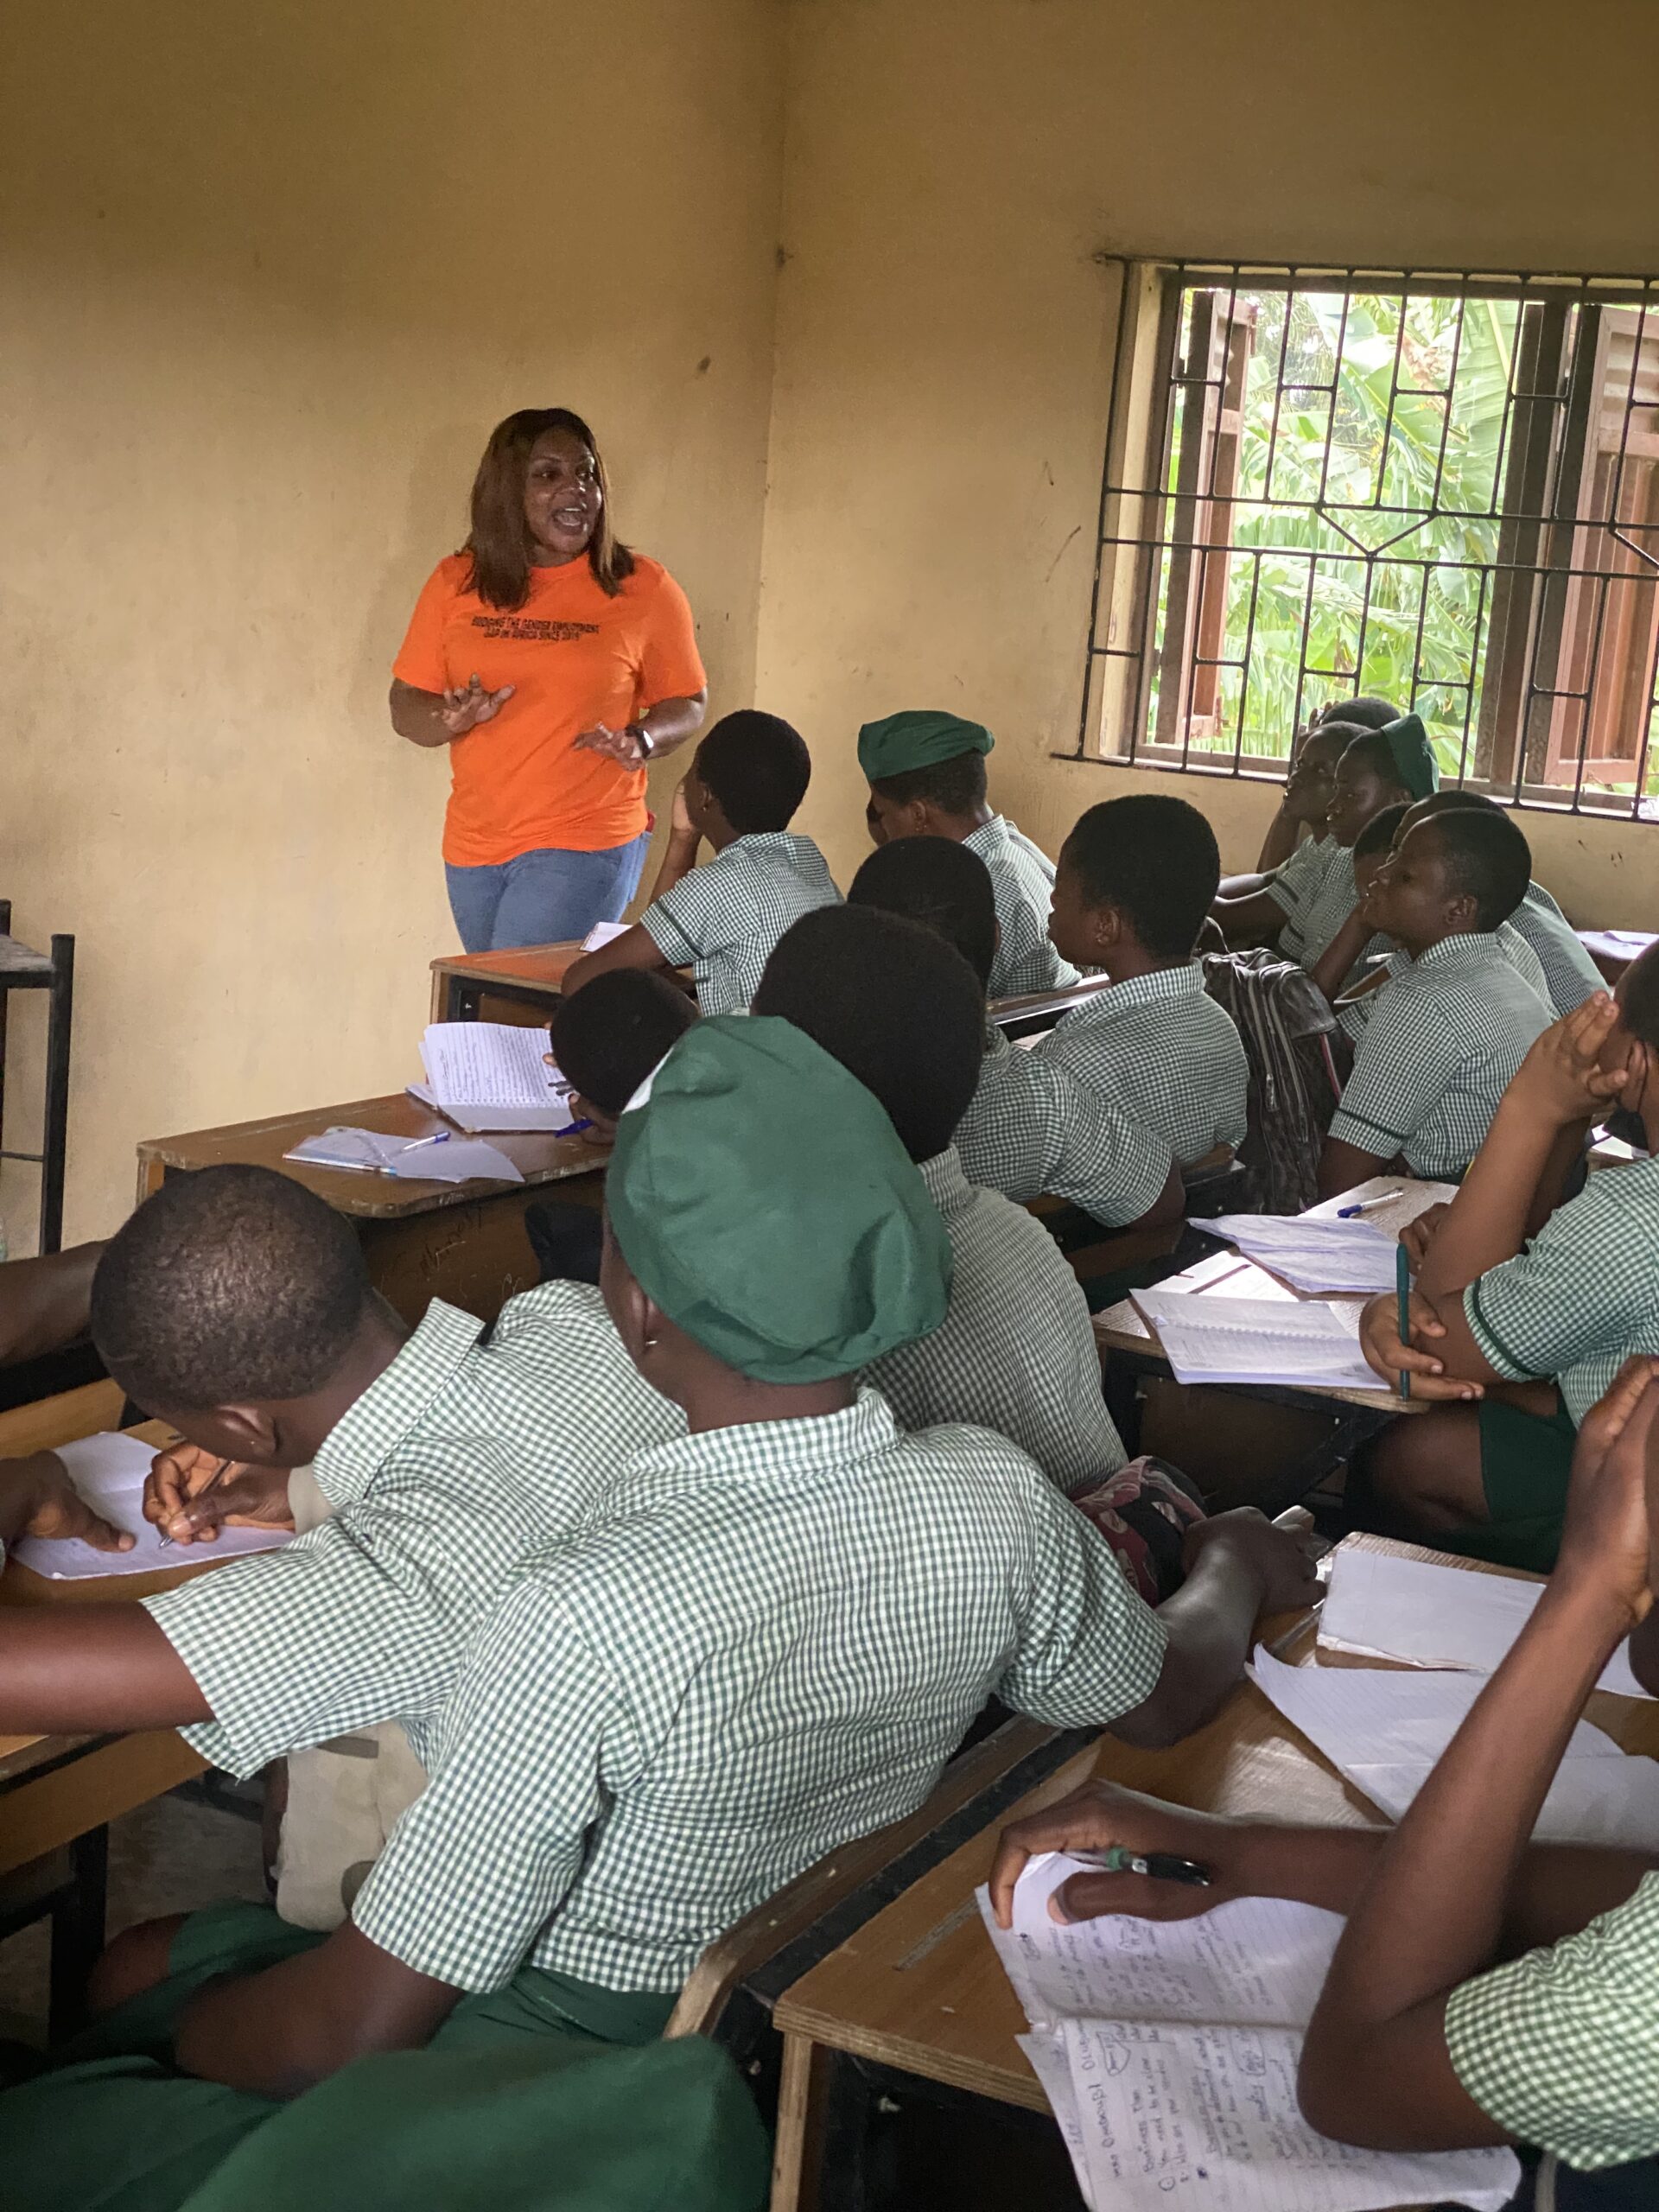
(641, 737)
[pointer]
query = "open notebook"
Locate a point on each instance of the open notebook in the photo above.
(492, 1075)
(1209, 1339)
(1168, 2050)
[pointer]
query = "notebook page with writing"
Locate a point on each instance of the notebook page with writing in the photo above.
(1312, 1255)
(109, 1471)
(1383, 1607)
(1212, 1339)
(494, 1076)
(1256, 1960)
(1208, 2117)
(1385, 1729)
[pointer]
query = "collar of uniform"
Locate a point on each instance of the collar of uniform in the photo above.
(989, 837)
(358, 1444)
(771, 1455)
(947, 1185)
(1469, 949)
(1162, 985)
(766, 841)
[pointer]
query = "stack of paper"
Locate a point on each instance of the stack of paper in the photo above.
(1312, 1255)
(1385, 1729)
(1208, 1339)
(110, 1471)
(493, 1075)
(414, 1160)
(1168, 2050)
(1384, 1607)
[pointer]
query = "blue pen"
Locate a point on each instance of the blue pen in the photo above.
(574, 1129)
(1383, 1199)
(1403, 1286)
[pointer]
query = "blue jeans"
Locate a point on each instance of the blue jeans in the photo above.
(545, 897)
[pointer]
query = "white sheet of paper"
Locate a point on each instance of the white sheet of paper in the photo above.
(1385, 1729)
(1254, 1960)
(109, 1471)
(1206, 2116)
(1209, 1339)
(603, 933)
(1383, 1607)
(462, 1159)
(1312, 1255)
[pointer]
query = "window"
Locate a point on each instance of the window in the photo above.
(1440, 488)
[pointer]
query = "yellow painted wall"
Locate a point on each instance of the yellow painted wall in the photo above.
(268, 273)
(945, 332)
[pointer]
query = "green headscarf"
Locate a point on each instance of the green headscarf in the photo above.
(1414, 757)
(917, 739)
(761, 1197)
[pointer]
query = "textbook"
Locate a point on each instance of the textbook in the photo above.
(492, 1075)
(1168, 2050)
(1309, 1344)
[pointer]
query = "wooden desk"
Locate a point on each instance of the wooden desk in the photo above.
(920, 1988)
(464, 1242)
(519, 987)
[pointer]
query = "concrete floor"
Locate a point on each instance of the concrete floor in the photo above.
(167, 1857)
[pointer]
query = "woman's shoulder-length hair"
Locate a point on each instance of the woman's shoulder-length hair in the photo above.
(498, 545)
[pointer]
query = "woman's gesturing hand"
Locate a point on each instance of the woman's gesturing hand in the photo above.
(469, 704)
(620, 745)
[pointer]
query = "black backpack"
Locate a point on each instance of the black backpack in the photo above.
(1287, 1023)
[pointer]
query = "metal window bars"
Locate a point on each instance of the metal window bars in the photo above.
(1439, 486)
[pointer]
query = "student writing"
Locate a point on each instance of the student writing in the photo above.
(1485, 1990)
(1032, 1127)
(926, 773)
(740, 794)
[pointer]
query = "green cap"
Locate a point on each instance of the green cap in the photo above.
(764, 1203)
(916, 739)
(1413, 756)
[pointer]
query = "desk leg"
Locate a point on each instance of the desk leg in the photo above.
(803, 2101)
(78, 1934)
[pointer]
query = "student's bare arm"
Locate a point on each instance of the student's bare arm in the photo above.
(279, 2033)
(1330, 970)
(1254, 920)
(43, 1302)
(1238, 1567)
(1375, 2067)
(1170, 1204)
(68, 1670)
(1342, 1165)
(1559, 1890)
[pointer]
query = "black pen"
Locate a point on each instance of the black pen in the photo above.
(1157, 1866)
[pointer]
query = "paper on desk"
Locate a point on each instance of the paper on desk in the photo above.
(463, 1159)
(1205, 1340)
(1209, 2117)
(1385, 1729)
(109, 1472)
(603, 933)
(1168, 2051)
(1384, 1607)
(1312, 1255)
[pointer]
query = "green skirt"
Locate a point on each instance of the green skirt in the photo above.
(1525, 1462)
(547, 2077)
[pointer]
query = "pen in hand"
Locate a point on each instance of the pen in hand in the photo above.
(212, 1484)
(1157, 1866)
(1402, 1288)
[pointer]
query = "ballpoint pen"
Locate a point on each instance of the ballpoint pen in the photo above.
(208, 1487)
(1383, 1199)
(1158, 1866)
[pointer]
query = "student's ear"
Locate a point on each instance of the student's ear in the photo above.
(1105, 928)
(1462, 912)
(627, 1305)
(915, 818)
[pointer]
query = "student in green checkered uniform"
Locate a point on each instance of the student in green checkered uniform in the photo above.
(1486, 1990)
(237, 1305)
(770, 1642)
(899, 1008)
(1570, 974)
(1031, 1128)
(1454, 1021)
(926, 773)
(1136, 883)
(1525, 1306)
(721, 919)
(1261, 908)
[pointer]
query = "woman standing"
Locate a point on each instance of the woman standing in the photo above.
(555, 664)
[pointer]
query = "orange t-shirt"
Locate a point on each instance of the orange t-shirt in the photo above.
(577, 657)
